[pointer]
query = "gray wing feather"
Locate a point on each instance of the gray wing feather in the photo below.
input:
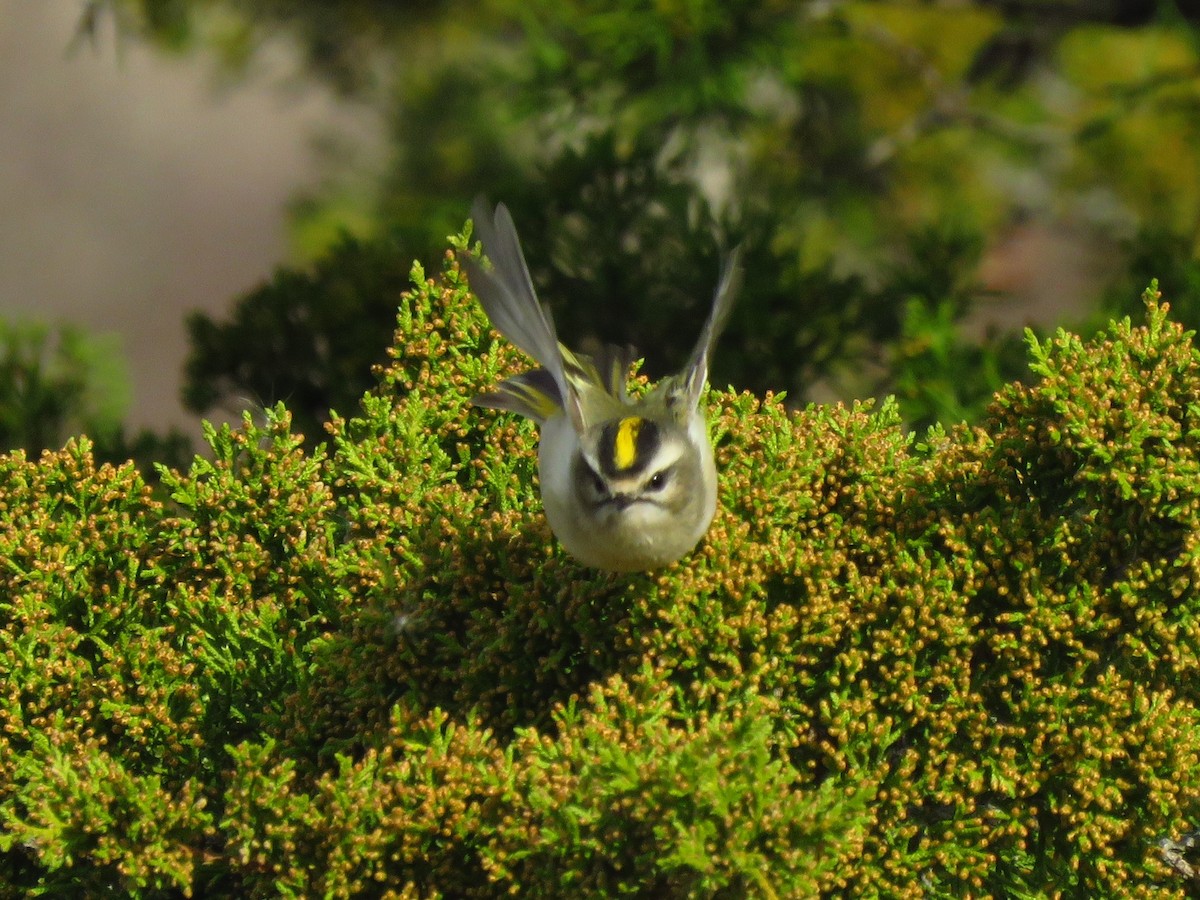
(506, 291)
(532, 394)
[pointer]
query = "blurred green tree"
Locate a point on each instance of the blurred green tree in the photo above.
(55, 382)
(633, 140)
(59, 381)
(309, 338)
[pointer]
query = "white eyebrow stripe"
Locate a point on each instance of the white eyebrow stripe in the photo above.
(667, 456)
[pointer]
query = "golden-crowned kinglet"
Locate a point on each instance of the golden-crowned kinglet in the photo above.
(627, 484)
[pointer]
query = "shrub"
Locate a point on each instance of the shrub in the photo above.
(958, 666)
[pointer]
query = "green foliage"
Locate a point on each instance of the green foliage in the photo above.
(959, 667)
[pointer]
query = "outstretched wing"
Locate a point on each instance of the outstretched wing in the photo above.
(532, 394)
(685, 394)
(506, 293)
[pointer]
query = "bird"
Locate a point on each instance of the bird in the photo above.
(628, 484)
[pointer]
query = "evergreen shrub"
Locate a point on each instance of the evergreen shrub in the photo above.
(964, 665)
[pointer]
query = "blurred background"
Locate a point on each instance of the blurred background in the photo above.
(211, 205)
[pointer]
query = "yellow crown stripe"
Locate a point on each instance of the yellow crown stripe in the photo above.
(625, 445)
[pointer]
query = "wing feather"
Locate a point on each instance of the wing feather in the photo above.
(507, 295)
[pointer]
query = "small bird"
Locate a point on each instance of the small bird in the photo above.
(627, 484)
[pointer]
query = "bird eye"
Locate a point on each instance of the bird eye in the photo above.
(597, 483)
(658, 480)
